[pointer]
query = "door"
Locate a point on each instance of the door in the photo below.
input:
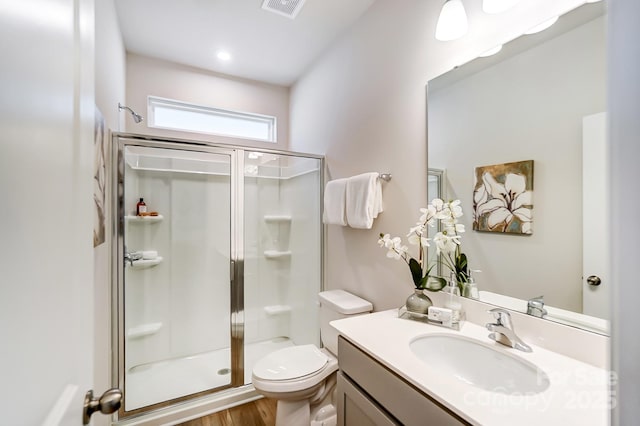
(596, 287)
(46, 193)
(174, 261)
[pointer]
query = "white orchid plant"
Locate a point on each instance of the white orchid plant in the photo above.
(447, 244)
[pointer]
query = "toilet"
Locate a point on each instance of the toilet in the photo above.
(303, 378)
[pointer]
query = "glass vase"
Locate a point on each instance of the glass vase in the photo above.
(418, 302)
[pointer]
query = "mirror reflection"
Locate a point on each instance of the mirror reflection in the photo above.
(539, 232)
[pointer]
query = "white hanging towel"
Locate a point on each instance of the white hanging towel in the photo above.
(335, 203)
(364, 200)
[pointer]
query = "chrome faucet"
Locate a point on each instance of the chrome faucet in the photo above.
(535, 307)
(502, 330)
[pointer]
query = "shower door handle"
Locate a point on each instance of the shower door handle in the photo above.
(108, 403)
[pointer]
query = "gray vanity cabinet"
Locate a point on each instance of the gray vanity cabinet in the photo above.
(370, 394)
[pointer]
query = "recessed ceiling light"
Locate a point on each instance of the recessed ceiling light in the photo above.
(542, 26)
(491, 51)
(223, 55)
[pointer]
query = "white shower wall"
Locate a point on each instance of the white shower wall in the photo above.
(188, 293)
(293, 281)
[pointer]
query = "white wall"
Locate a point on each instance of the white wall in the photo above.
(624, 128)
(109, 90)
(153, 77)
(526, 107)
(363, 105)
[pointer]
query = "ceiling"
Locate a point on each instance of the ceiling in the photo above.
(264, 46)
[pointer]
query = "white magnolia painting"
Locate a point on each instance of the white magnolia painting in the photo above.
(99, 178)
(503, 198)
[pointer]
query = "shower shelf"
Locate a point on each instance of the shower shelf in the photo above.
(277, 218)
(146, 263)
(276, 254)
(144, 219)
(144, 330)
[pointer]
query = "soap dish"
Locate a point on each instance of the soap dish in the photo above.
(403, 313)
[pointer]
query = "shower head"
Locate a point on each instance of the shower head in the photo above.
(136, 117)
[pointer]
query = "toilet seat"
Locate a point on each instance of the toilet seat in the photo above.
(290, 363)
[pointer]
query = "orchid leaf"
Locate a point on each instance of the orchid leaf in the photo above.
(416, 272)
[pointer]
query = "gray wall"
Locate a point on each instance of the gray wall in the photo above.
(109, 90)
(362, 104)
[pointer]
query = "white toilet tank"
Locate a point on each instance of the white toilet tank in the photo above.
(337, 304)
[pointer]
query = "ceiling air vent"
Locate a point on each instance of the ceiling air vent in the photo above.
(288, 8)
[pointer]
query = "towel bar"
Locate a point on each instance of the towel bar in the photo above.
(384, 176)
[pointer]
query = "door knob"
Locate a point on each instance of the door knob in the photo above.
(594, 281)
(108, 403)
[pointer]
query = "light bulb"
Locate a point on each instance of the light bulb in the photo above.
(542, 26)
(497, 6)
(452, 23)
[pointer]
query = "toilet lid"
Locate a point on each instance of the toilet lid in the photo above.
(290, 363)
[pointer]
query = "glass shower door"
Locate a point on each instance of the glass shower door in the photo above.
(175, 271)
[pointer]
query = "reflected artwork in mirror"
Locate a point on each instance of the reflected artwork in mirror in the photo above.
(542, 98)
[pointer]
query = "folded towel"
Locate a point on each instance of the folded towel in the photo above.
(334, 203)
(364, 200)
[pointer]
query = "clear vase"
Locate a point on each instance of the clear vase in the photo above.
(418, 302)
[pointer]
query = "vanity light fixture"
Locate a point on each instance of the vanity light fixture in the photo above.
(497, 6)
(542, 26)
(491, 51)
(452, 23)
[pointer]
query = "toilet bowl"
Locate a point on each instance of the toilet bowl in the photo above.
(302, 378)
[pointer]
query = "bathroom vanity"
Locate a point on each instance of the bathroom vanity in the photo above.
(371, 394)
(384, 380)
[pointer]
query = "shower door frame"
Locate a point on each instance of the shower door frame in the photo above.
(236, 162)
(237, 318)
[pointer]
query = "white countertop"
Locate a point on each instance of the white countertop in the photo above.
(578, 393)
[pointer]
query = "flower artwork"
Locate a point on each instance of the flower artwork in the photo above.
(502, 198)
(447, 244)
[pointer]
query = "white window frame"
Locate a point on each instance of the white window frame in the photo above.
(153, 101)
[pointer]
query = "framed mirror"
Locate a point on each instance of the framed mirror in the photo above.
(540, 102)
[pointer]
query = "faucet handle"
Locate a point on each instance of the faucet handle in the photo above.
(502, 316)
(536, 301)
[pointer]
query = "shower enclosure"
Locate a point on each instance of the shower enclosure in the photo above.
(222, 268)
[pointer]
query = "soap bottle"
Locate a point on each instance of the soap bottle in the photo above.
(141, 207)
(452, 300)
(471, 288)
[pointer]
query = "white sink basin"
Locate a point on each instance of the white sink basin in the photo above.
(479, 365)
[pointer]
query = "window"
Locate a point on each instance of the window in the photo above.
(176, 115)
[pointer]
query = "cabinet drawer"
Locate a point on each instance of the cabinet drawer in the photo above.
(355, 408)
(403, 401)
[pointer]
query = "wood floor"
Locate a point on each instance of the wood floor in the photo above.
(261, 412)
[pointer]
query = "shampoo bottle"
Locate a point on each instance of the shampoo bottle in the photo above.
(141, 207)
